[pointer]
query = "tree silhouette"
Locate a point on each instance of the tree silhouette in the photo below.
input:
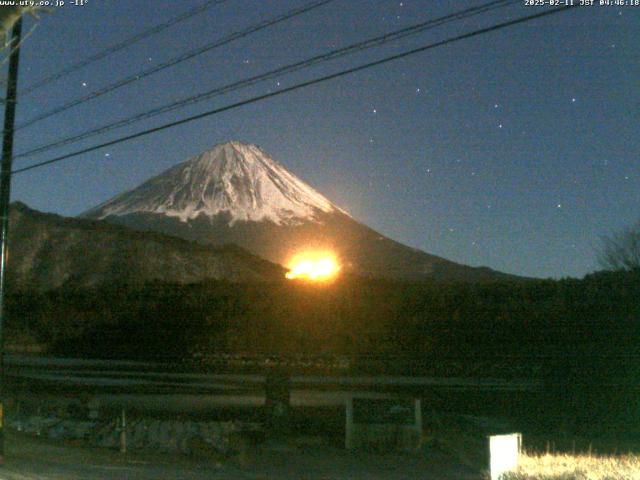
(621, 250)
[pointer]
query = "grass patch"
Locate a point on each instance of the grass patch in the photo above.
(576, 467)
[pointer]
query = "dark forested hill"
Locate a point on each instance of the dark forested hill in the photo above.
(599, 314)
(49, 251)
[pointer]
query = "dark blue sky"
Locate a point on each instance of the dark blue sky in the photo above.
(517, 149)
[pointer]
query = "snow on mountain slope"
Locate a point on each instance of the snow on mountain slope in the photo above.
(237, 194)
(234, 177)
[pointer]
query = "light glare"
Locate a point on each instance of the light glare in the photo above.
(316, 266)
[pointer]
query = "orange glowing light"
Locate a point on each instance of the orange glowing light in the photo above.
(316, 266)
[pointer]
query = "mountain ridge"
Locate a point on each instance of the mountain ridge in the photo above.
(232, 177)
(49, 251)
(276, 216)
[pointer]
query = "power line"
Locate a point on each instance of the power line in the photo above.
(120, 46)
(300, 86)
(12, 51)
(331, 55)
(176, 60)
(16, 47)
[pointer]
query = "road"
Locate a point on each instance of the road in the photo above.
(30, 459)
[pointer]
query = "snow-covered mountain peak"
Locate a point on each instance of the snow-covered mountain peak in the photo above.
(235, 178)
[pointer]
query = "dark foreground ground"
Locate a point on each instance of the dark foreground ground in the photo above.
(31, 458)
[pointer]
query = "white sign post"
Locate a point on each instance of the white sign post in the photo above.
(504, 451)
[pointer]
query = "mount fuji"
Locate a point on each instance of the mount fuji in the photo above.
(236, 193)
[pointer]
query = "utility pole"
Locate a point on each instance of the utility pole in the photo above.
(5, 197)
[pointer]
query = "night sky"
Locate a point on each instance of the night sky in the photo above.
(517, 149)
